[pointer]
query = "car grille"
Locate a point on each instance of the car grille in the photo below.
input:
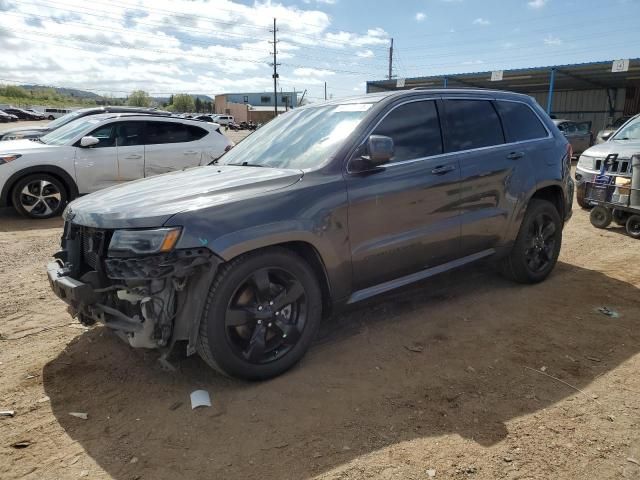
(93, 244)
(621, 166)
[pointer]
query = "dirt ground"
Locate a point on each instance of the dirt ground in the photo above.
(451, 377)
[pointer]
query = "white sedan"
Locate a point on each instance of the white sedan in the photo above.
(39, 176)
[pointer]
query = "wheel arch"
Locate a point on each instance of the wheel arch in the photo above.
(54, 171)
(553, 194)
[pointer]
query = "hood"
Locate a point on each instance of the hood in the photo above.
(24, 146)
(624, 148)
(26, 132)
(152, 201)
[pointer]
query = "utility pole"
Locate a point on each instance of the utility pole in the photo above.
(391, 60)
(275, 68)
(325, 90)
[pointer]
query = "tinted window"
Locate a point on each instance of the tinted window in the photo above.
(415, 130)
(471, 124)
(520, 123)
(196, 133)
(166, 132)
(129, 134)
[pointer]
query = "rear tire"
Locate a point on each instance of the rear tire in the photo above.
(633, 226)
(600, 217)
(39, 196)
(536, 249)
(251, 328)
(580, 197)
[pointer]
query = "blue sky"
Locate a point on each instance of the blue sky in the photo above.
(216, 46)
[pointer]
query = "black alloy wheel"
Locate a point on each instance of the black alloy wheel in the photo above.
(540, 243)
(261, 315)
(266, 315)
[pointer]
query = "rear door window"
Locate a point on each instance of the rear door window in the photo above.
(196, 133)
(415, 130)
(471, 124)
(520, 122)
(167, 132)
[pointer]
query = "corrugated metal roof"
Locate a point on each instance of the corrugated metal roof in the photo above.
(580, 76)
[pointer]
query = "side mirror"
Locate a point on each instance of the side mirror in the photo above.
(606, 135)
(380, 150)
(89, 141)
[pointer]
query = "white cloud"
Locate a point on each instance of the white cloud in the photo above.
(537, 3)
(312, 72)
(552, 41)
(166, 46)
(365, 53)
(481, 21)
(420, 16)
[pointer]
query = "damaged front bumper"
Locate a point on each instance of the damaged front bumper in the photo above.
(150, 301)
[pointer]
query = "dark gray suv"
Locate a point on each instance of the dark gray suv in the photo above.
(325, 206)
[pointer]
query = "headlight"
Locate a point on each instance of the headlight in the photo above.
(588, 163)
(144, 242)
(8, 157)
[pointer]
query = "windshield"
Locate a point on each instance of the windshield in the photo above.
(63, 120)
(631, 131)
(68, 132)
(300, 139)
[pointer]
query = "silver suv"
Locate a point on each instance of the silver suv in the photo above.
(625, 143)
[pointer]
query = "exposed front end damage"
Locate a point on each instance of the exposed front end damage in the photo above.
(151, 301)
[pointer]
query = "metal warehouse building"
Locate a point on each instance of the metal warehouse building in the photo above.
(598, 92)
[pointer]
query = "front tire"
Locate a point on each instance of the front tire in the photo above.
(536, 249)
(39, 196)
(580, 190)
(262, 313)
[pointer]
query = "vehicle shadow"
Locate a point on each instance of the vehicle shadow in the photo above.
(447, 356)
(12, 221)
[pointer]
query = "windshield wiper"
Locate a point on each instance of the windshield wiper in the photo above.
(245, 164)
(38, 139)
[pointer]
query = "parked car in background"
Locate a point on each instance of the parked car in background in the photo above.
(39, 176)
(352, 198)
(35, 132)
(578, 133)
(24, 114)
(223, 119)
(6, 117)
(605, 134)
(625, 142)
(53, 113)
(205, 118)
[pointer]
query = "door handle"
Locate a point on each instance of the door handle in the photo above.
(190, 152)
(133, 157)
(441, 170)
(515, 155)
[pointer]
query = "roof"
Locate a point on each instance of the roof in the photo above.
(581, 76)
(281, 108)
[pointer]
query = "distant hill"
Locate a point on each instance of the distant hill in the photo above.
(69, 92)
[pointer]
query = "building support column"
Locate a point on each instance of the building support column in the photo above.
(445, 82)
(552, 82)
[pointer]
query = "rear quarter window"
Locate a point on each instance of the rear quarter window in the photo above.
(520, 122)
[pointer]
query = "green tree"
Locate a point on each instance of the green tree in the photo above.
(183, 102)
(198, 105)
(139, 98)
(15, 91)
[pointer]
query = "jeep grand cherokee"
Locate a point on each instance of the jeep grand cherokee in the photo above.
(324, 206)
